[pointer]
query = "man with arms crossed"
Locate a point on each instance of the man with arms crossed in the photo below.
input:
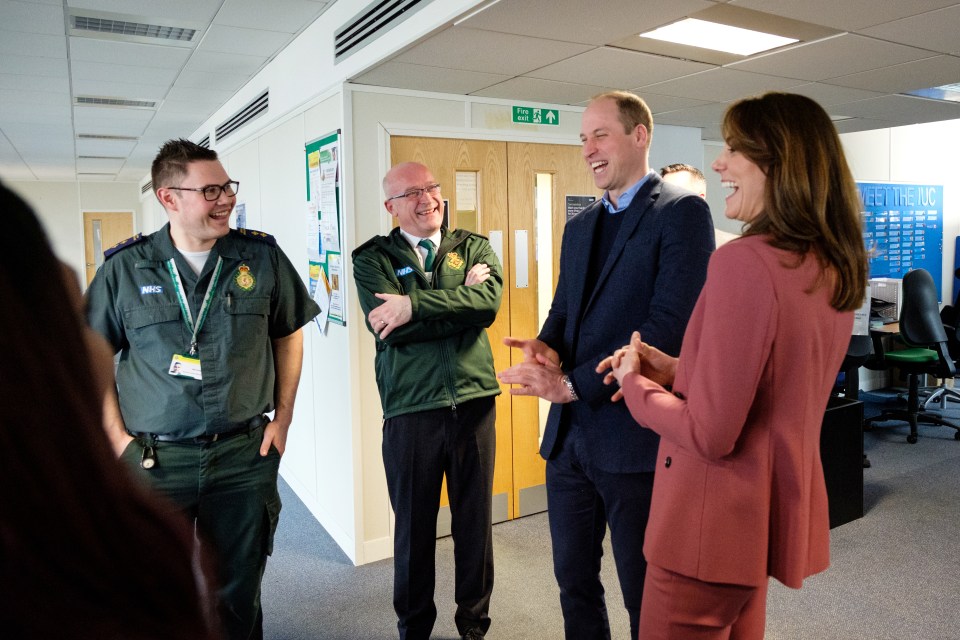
(207, 321)
(634, 260)
(429, 294)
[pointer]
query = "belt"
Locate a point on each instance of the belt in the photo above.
(253, 423)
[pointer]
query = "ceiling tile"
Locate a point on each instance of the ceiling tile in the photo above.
(32, 18)
(33, 65)
(200, 97)
(423, 78)
(721, 84)
(122, 73)
(35, 83)
(33, 44)
(579, 21)
(83, 114)
(836, 56)
(254, 42)
(609, 67)
(216, 80)
(128, 53)
(217, 62)
(105, 147)
(828, 94)
(110, 126)
(536, 90)
(925, 30)
(694, 116)
(489, 51)
(14, 96)
(920, 74)
(186, 10)
(848, 15)
(33, 113)
(99, 165)
(83, 87)
(661, 104)
(284, 15)
(906, 109)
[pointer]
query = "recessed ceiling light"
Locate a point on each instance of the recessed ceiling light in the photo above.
(948, 92)
(718, 37)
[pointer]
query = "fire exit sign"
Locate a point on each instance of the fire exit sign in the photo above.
(536, 115)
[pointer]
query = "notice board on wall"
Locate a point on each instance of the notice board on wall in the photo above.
(323, 228)
(903, 229)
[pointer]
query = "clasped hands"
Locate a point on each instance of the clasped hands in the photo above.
(540, 373)
(397, 310)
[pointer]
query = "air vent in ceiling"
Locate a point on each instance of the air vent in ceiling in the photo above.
(205, 143)
(147, 187)
(103, 136)
(256, 107)
(101, 157)
(373, 21)
(133, 28)
(102, 101)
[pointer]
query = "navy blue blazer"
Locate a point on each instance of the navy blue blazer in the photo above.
(650, 282)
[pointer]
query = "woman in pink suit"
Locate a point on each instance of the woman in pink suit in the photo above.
(739, 493)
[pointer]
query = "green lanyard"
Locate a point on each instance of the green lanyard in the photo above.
(185, 307)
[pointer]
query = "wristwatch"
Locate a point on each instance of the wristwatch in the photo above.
(573, 392)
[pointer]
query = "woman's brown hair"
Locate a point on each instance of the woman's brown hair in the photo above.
(811, 203)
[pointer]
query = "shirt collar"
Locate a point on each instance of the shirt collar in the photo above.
(414, 240)
(625, 198)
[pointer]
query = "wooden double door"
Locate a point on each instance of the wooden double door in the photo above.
(519, 196)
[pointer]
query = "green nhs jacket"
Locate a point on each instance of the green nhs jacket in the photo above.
(441, 358)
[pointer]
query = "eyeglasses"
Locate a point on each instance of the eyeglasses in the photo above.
(212, 192)
(414, 194)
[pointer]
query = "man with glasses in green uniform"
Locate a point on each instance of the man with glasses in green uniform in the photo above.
(208, 323)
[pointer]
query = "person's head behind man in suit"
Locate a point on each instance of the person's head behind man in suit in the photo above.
(686, 176)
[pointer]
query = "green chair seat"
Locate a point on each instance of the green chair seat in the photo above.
(915, 355)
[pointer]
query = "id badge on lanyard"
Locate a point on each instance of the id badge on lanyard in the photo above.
(187, 365)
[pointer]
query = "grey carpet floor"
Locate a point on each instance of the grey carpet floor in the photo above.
(895, 572)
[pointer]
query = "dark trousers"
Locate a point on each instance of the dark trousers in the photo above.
(418, 449)
(582, 501)
(230, 491)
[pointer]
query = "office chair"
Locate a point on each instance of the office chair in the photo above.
(950, 316)
(926, 339)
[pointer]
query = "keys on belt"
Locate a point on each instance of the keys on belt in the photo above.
(148, 459)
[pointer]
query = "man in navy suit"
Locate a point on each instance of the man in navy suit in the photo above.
(635, 260)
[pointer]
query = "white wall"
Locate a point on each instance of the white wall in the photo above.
(60, 207)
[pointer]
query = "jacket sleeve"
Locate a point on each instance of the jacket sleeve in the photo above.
(373, 275)
(687, 241)
(730, 361)
(468, 306)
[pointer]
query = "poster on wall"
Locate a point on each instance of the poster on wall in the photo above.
(903, 229)
(323, 228)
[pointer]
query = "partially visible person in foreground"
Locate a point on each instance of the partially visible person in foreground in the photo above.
(739, 492)
(84, 552)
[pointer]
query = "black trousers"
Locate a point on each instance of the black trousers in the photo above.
(582, 501)
(418, 449)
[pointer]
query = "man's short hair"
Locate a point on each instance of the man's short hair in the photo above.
(170, 165)
(678, 167)
(633, 110)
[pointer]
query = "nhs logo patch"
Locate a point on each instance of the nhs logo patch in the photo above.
(149, 289)
(404, 271)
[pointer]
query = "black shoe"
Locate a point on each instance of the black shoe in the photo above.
(473, 634)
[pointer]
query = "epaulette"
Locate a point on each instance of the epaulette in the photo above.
(369, 243)
(123, 244)
(258, 235)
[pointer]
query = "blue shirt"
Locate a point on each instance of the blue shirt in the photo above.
(625, 198)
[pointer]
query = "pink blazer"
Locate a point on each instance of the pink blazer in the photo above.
(739, 491)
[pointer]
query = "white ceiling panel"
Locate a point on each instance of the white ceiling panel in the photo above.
(33, 65)
(54, 172)
(281, 15)
(186, 10)
(864, 124)
(424, 78)
(35, 83)
(217, 62)
(122, 73)
(828, 94)
(16, 171)
(722, 85)
(924, 30)
(610, 67)
(694, 116)
(662, 104)
(33, 44)
(893, 108)
(13, 96)
(33, 113)
(84, 114)
(82, 87)
(579, 21)
(32, 18)
(105, 147)
(110, 126)
(200, 97)
(255, 42)
(837, 56)
(536, 90)
(128, 53)
(848, 15)
(920, 74)
(489, 52)
(219, 81)
(99, 164)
